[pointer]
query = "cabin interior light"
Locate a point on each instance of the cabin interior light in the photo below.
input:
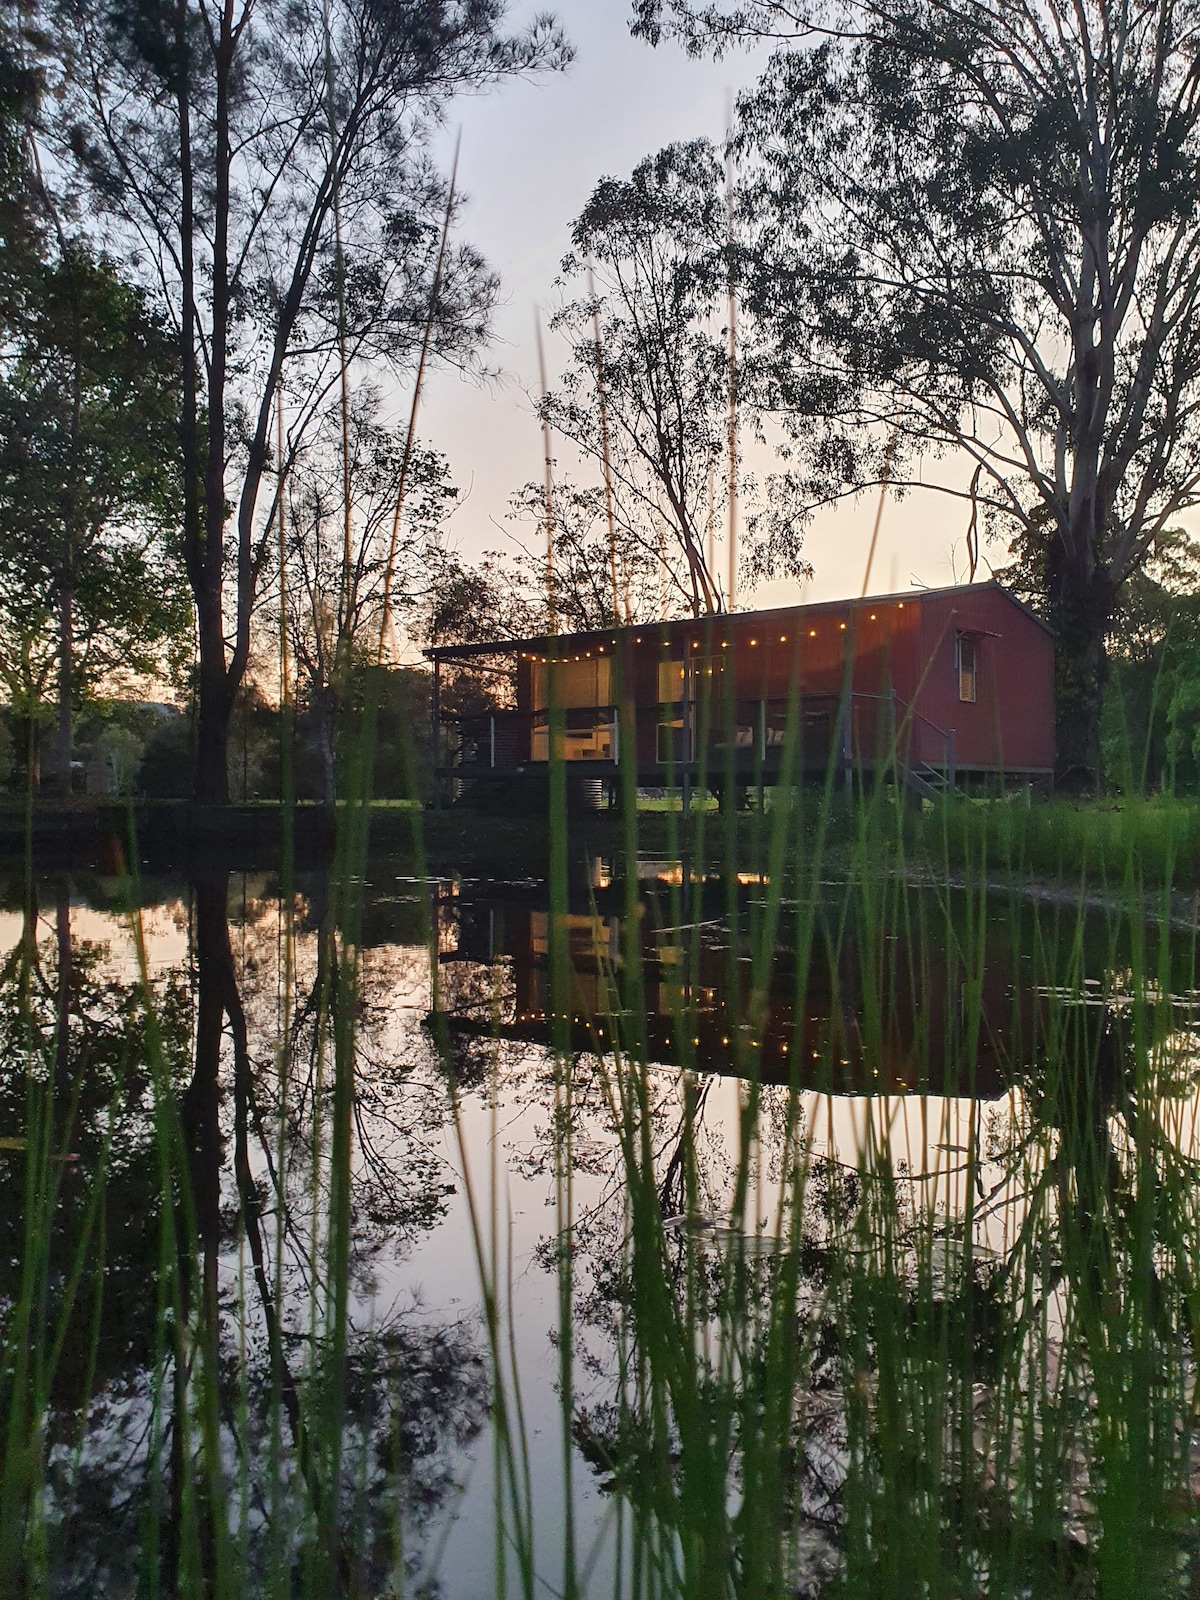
(872, 616)
(754, 641)
(783, 638)
(902, 605)
(842, 626)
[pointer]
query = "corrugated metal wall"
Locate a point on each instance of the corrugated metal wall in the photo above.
(1010, 724)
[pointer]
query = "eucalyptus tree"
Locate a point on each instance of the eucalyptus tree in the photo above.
(342, 569)
(90, 585)
(581, 568)
(651, 399)
(978, 232)
(268, 166)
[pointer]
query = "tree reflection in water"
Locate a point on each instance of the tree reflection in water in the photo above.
(808, 1337)
(164, 1276)
(864, 1363)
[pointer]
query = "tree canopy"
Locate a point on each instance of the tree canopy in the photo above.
(976, 230)
(267, 167)
(650, 399)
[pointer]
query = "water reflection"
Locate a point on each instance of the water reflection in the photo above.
(838, 1005)
(925, 1172)
(169, 1265)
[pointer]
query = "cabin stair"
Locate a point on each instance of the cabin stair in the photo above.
(926, 782)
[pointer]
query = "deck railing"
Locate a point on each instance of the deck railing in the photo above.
(875, 728)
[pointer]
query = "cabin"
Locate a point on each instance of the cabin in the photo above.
(939, 688)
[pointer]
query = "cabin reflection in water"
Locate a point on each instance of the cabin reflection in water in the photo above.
(908, 1024)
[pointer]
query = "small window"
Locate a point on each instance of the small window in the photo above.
(670, 682)
(968, 649)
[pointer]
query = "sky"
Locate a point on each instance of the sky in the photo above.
(531, 154)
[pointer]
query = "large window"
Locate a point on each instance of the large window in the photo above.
(583, 694)
(968, 665)
(577, 683)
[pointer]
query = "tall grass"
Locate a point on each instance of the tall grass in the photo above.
(934, 1341)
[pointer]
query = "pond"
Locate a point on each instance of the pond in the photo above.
(654, 1230)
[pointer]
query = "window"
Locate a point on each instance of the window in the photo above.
(968, 649)
(670, 682)
(577, 683)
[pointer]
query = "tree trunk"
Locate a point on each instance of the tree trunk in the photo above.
(211, 786)
(324, 718)
(66, 669)
(27, 748)
(198, 1489)
(1081, 610)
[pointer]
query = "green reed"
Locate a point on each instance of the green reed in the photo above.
(932, 1343)
(951, 1355)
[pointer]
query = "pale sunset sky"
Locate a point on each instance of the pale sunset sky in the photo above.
(531, 154)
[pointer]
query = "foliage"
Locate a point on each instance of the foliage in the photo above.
(20, 243)
(267, 165)
(355, 567)
(647, 398)
(1152, 703)
(975, 233)
(90, 591)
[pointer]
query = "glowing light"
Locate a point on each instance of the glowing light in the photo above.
(812, 633)
(754, 641)
(783, 638)
(842, 626)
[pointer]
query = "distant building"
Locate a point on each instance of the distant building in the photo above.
(938, 686)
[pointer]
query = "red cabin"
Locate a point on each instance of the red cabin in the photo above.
(940, 686)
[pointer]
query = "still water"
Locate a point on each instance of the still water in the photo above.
(215, 1092)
